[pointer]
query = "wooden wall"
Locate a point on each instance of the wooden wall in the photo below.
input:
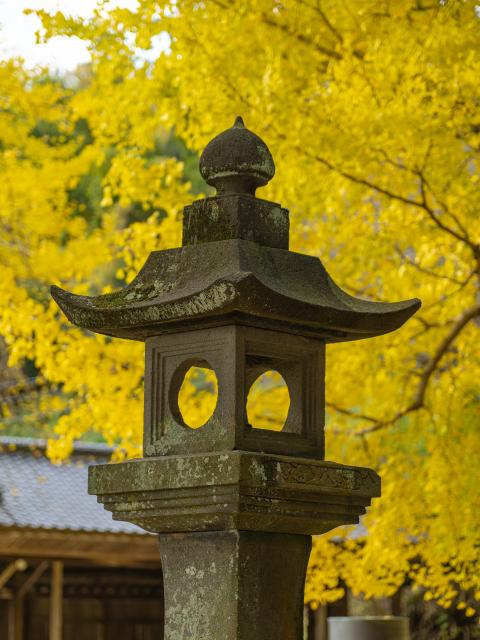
(97, 603)
(97, 619)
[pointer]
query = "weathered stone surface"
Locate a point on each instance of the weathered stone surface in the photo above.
(233, 280)
(234, 267)
(236, 490)
(234, 585)
(237, 161)
(238, 355)
(236, 216)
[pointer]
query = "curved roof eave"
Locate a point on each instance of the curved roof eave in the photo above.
(246, 295)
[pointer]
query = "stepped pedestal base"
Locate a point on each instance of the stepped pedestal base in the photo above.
(235, 533)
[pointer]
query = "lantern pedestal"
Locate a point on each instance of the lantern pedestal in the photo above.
(234, 490)
(234, 533)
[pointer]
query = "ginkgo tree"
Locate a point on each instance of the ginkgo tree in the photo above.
(372, 112)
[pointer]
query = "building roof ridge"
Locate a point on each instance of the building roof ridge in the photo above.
(20, 443)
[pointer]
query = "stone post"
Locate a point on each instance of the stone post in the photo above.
(368, 628)
(234, 506)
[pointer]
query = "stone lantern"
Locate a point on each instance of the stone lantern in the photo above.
(234, 506)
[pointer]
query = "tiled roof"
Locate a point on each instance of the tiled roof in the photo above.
(35, 493)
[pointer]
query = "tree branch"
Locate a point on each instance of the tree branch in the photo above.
(318, 9)
(429, 272)
(350, 413)
(421, 204)
(418, 401)
(331, 53)
(459, 324)
(433, 216)
(425, 183)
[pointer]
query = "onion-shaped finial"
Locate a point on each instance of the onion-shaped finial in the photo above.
(237, 161)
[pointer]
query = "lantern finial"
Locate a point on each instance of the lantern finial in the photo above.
(237, 161)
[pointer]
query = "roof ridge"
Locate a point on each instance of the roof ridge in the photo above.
(79, 447)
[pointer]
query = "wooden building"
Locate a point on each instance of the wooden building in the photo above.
(67, 570)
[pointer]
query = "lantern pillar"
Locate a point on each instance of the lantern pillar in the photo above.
(234, 584)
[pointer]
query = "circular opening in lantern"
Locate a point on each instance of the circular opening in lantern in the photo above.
(268, 402)
(197, 396)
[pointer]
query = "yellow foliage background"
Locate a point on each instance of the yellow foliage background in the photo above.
(371, 111)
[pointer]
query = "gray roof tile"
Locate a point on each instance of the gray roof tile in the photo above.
(36, 493)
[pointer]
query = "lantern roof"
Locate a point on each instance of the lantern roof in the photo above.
(234, 266)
